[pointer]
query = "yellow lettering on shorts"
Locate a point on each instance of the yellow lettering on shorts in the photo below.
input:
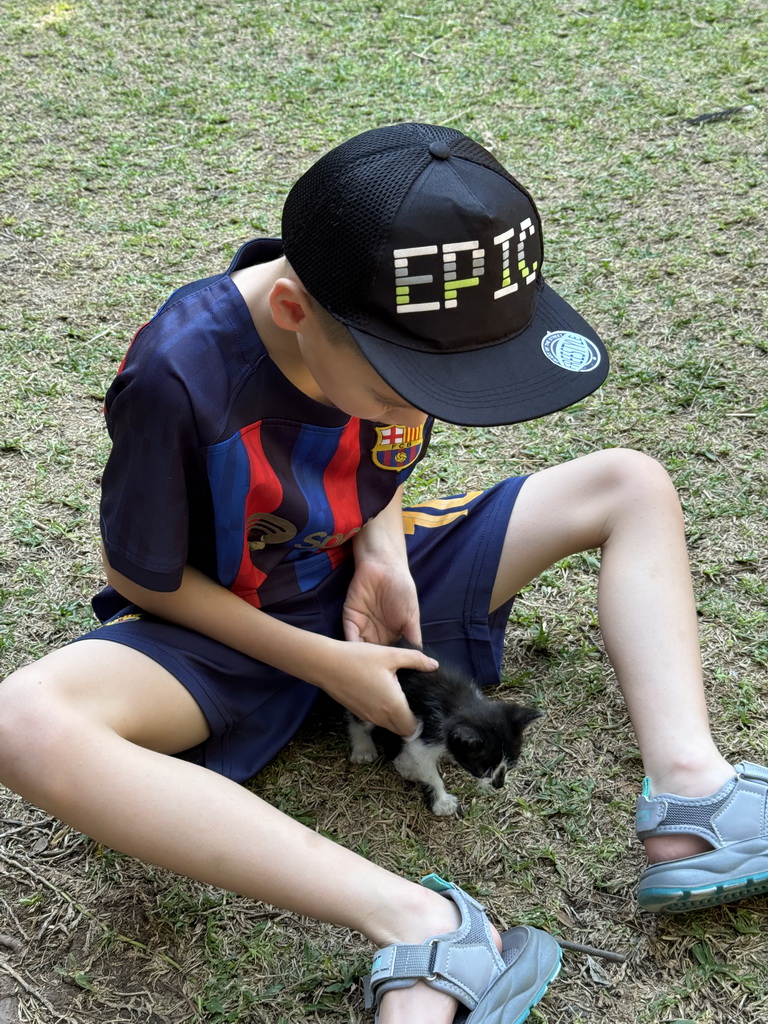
(412, 519)
(460, 499)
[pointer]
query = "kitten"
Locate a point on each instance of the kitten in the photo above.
(458, 722)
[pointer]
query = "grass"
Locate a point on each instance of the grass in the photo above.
(141, 144)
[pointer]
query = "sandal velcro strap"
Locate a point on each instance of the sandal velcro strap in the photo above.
(737, 811)
(748, 770)
(462, 963)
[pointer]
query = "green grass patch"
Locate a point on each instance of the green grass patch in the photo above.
(140, 145)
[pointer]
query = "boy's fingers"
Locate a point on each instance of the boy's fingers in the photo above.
(405, 723)
(413, 634)
(416, 660)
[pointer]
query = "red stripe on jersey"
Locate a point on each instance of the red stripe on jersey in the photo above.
(262, 498)
(250, 593)
(128, 350)
(337, 555)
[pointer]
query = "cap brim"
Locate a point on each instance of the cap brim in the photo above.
(556, 361)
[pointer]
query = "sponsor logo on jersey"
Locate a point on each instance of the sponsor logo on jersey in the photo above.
(262, 528)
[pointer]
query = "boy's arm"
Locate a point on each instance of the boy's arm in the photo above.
(382, 604)
(361, 677)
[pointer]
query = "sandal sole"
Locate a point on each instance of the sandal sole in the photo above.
(730, 873)
(683, 901)
(504, 1002)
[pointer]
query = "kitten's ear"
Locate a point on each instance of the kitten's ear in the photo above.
(521, 716)
(465, 737)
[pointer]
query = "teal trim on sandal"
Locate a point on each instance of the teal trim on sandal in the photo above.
(733, 821)
(491, 987)
(687, 901)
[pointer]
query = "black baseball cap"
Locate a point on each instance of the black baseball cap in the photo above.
(419, 241)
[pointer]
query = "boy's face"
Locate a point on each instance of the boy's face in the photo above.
(349, 382)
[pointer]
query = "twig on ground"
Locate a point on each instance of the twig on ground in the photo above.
(605, 954)
(26, 986)
(719, 115)
(86, 912)
(14, 918)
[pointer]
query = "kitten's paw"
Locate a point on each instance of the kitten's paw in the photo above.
(486, 786)
(446, 804)
(363, 751)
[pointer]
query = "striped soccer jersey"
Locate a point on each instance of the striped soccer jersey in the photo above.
(219, 462)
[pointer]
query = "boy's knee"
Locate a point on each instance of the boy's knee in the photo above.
(633, 474)
(624, 486)
(31, 728)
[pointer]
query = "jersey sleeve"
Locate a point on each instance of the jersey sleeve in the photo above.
(145, 486)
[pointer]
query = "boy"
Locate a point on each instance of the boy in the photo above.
(263, 425)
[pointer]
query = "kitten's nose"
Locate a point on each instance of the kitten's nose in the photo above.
(499, 778)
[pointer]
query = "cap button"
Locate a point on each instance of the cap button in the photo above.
(439, 150)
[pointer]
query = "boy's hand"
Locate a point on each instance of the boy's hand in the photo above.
(382, 605)
(365, 682)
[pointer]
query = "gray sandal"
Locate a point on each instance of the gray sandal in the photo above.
(734, 820)
(492, 988)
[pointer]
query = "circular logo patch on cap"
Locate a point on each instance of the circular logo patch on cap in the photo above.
(571, 351)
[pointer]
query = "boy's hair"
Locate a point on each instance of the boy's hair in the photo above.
(334, 329)
(418, 241)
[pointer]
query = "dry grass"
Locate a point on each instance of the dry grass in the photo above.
(141, 145)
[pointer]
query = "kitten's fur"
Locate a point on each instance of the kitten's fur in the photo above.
(457, 721)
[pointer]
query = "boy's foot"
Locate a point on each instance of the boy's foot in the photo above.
(490, 987)
(734, 821)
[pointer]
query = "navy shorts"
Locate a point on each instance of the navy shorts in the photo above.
(253, 710)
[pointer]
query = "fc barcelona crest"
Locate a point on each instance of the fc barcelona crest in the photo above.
(397, 447)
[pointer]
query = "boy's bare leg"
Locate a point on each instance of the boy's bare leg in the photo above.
(85, 734)
(625, 504)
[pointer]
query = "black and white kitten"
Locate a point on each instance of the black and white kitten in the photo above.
(457, 722)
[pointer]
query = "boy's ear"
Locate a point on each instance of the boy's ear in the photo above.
(289, 304)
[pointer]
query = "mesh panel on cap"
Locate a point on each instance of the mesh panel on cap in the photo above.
(338, 214)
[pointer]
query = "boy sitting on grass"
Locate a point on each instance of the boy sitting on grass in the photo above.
(263, 425)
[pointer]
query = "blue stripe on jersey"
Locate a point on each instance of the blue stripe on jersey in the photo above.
(312, 570)
(312, 452)
(230, 476)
